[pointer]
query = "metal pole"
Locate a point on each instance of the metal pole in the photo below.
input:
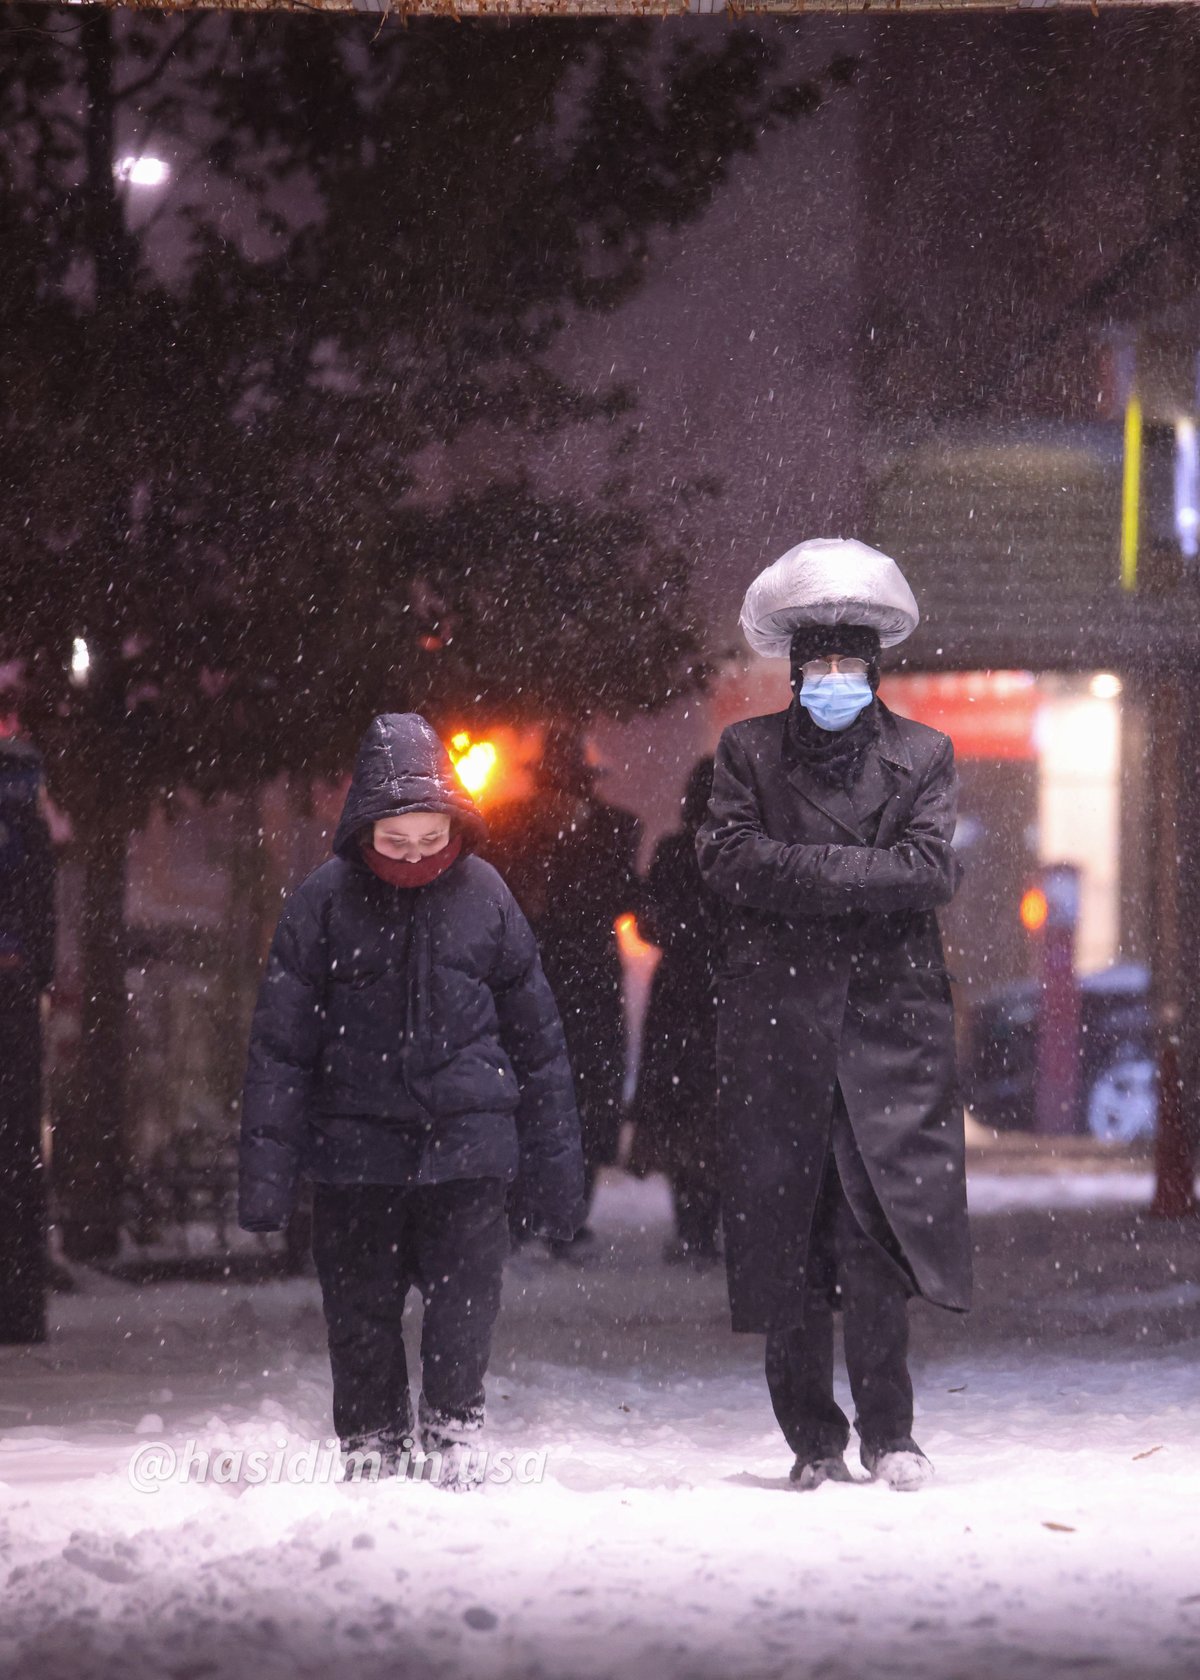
(1175, 956)
(1057, 1094)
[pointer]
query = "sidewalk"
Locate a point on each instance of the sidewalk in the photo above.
(664, 1542)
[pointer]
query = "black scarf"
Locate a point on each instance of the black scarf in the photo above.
(833, 756)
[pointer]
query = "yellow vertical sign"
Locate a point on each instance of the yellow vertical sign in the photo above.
(1131, 494)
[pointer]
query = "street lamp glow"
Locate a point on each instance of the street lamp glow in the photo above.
(81, 661)
(475, 761)
(1034, 910)
(143, 171)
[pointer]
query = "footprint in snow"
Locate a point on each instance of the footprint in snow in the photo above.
(115, 1562)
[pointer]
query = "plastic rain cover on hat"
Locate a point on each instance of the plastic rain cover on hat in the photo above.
(827, 580)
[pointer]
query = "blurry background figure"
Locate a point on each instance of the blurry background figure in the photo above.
(26, 969)
(674, 1110)
(570, 861)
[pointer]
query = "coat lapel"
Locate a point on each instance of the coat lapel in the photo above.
(830, 801)
(893, 766)
(877, 782)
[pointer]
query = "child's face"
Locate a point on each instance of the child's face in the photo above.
(412, 836)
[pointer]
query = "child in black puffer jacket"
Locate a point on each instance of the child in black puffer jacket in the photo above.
(407, 1056)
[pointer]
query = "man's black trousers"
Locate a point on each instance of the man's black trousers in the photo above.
(371, 1244)
(854, 1265)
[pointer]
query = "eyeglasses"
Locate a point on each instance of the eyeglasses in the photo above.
(826, 667)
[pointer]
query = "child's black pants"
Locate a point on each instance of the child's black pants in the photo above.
(371, 1244)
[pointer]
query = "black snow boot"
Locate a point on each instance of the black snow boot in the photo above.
(375, 1455)
(455, 1457)
(809, 1473)
(370, 1455)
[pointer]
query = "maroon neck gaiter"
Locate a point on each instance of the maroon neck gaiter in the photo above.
(397, 873)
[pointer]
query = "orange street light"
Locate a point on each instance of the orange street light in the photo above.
(475, 761)
(1034, 910)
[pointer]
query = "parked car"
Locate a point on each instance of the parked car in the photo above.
(1118, 1096)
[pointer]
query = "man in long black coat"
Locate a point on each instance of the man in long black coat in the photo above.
(844, 1180)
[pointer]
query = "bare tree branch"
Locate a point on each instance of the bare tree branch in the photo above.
(120, 95)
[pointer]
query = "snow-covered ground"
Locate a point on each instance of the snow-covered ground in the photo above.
(1062, 1536)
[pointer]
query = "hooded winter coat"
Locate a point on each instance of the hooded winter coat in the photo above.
(832, 973)
(407, 1035)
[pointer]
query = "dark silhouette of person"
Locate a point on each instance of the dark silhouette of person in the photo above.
(675, 1106)
(570, 859)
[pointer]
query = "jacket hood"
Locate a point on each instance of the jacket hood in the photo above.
(402, 765)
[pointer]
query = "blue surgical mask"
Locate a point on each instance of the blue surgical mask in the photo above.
(835, 701)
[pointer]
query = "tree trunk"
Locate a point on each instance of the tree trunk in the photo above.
(251, 901)
(240, 961)
(109, 237)
(22, 1175)
(242, 955)
(90, 1143)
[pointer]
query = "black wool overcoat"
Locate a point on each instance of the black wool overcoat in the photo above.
(832, 973)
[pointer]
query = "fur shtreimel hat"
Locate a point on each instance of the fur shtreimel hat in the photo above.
(827, 581)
